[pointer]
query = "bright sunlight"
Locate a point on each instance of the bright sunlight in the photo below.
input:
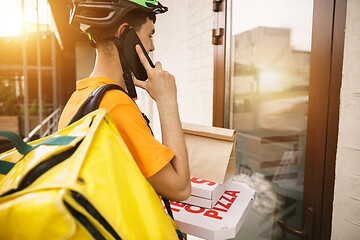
(11, 16)
(270, 81)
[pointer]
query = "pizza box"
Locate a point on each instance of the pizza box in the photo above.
(223, 221)
(205, 193)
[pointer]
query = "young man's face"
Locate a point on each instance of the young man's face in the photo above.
(145, 34)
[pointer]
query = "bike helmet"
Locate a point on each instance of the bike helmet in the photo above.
(105, 14)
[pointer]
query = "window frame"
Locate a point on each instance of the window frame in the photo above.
(329, 17)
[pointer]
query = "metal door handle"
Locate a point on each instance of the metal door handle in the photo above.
(307, 225)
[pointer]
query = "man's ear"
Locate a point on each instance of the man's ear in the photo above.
(122, 28)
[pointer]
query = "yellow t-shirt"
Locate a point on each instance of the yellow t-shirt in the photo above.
(150, 155)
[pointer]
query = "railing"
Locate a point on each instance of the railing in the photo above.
(51, 123)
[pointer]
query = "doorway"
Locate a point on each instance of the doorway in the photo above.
(276, 82)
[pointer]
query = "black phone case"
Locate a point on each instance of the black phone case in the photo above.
(130, 41)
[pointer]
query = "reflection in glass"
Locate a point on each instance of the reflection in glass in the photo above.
(270, 70)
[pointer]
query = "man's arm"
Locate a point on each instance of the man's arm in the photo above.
(172, 181)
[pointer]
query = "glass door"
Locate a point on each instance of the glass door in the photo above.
(268, 70)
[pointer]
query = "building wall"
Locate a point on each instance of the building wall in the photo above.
(183, 46)
(346, 211)
(277, 72)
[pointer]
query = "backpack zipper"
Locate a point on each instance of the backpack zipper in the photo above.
(94, 213)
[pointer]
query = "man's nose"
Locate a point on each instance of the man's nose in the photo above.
(152, 47)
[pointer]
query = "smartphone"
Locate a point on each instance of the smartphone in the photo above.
(130, 41)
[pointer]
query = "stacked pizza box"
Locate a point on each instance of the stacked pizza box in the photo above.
(214, 211)
(217, 206)
(223, 220)
(205, 193)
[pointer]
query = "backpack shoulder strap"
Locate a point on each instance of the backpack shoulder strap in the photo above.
(93, 101)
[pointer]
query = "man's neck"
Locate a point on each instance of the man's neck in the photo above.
(109, 67)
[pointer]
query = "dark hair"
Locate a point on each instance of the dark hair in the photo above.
(135, 19)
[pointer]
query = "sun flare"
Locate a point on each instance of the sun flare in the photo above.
(270, 81)
(10, 18)
(11, 15)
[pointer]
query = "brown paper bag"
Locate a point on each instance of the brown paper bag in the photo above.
(211, 152)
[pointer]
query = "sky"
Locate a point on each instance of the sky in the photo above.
(11, 17)
(293, 14)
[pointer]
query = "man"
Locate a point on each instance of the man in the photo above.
(164, 165)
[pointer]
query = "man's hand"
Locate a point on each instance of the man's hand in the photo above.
(160, 85)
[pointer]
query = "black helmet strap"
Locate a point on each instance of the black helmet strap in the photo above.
(118, 42)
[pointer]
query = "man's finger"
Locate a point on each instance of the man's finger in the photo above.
(139, 83)
(142, 57)
(158, 65)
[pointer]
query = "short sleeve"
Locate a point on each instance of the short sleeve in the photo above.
(150, 155)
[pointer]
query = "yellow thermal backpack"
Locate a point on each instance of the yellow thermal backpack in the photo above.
(79, 183)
